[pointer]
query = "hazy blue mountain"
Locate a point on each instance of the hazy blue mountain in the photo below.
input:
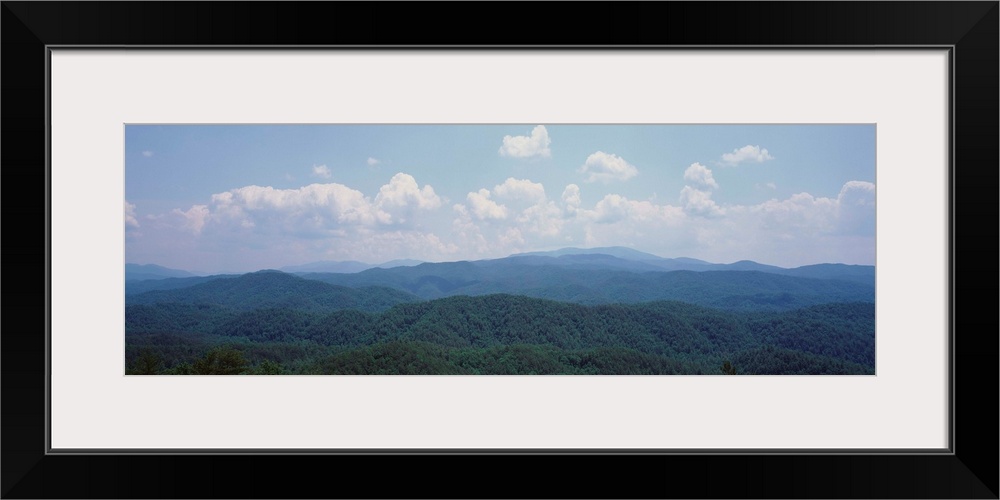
(745, 265)
(400, 263)
(620, 252)
(860, 274)
(139, 272)
(635, 260)
(276, 289)
(688, 260)
(588, 279)
(581, 261)
(328, 266)
(641, 261)
(528, 275)
(681, 265)
(134, 287)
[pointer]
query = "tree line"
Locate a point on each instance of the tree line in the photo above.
(502, 334)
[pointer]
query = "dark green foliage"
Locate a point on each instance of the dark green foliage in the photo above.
(393, 358)
(422, 358)
(175, 317)
(173, 348)
(770, 360)
(141, 319)
(727, 368)
(181, 369)
(620, 361)
(224, 360)
(505, 334)
(147, 363)
(842, 331)
(267, 325)
(268, 367)
(518, 359)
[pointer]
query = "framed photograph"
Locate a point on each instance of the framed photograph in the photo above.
(432, 273)
(526, 252)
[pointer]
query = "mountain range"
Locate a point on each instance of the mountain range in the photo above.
(277, 290)
(569, 311)
(622, 258)
(140, 272)
(731, 290)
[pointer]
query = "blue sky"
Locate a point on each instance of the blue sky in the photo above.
(234, 198)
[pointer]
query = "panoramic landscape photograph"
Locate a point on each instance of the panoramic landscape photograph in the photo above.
(501, 249)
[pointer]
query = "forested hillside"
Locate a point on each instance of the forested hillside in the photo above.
(504, 334)
(276, 289)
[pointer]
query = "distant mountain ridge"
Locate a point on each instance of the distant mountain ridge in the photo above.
(346, 266)
(271, 288)
(595, 278)
(328, 266)
(598, 257)
(620, 252)
(400, 263)
(137, 272)
(850, 272)
(745, 290)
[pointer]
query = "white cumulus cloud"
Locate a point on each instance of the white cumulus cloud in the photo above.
(747, 153)
(797, 216)
(330, 202)
(571, 198)
(543, 218)
(485, 208)
(856, 208)
(520, 189)
(521, 146)
(857, 193)
(373, 161)
(612, 208)
(321, 171)
(130, 220)
(511, 237)
(616, 208)
(699, 202)
(700, 175)
(606, 167)
(322, 208)
(194, 218)
(403, 191)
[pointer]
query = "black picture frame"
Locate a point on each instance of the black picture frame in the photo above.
(969, 28)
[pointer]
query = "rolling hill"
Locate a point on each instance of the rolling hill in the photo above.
(276, 289)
